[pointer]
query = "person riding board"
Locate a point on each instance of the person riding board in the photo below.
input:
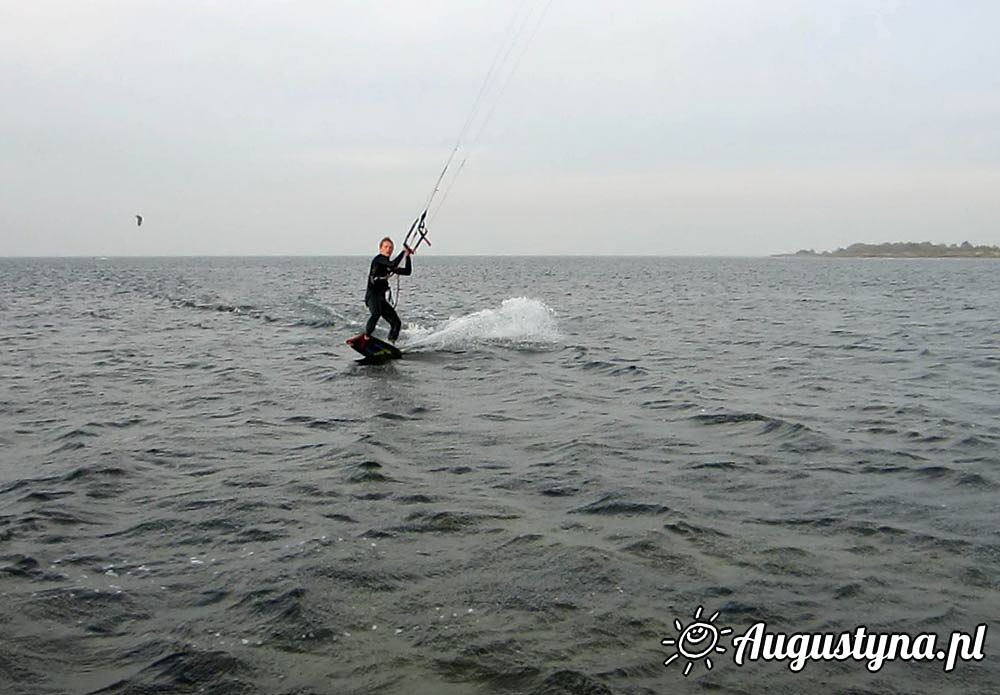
(378, 285)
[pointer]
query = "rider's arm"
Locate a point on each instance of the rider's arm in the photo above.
(406, 269)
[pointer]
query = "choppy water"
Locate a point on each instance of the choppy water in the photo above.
(200, 491)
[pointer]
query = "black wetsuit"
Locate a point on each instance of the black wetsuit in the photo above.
(378, 285)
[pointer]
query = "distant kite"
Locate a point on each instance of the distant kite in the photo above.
(138, 220)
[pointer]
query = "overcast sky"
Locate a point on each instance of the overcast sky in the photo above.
(677, 127)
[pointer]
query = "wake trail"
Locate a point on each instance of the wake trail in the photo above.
(518, 322)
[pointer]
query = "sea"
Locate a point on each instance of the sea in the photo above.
(585, 476)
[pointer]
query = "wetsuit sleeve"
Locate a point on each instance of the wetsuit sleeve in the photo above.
(406, 269)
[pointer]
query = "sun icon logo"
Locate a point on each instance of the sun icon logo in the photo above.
(699, 640)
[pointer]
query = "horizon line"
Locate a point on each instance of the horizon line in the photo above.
(366, 255)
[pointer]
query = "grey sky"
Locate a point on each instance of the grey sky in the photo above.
(660, 126)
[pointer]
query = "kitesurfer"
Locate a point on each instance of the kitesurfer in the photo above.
(378, 284)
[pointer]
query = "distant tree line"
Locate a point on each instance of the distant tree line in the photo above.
(907, 249)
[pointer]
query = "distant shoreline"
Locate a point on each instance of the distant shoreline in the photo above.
(904, 249)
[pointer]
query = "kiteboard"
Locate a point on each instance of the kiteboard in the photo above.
(374, 350)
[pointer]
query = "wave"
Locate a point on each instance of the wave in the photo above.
(793, 435)
(225, 308)
(519, 322)
(318, 315)
(304, 313)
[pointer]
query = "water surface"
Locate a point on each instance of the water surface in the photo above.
(200, 490)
